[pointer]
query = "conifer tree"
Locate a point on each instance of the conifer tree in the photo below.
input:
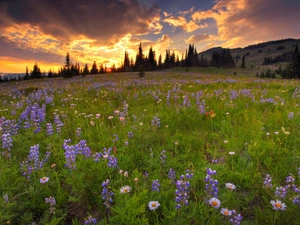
(36, 72)
(94, 69)
(140, 61)
(243, 62)
(126, 66)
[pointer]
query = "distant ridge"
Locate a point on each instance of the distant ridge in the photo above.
(256, 53)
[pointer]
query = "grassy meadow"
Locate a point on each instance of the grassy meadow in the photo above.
(174, 147)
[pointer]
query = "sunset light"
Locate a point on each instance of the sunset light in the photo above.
(43, 32)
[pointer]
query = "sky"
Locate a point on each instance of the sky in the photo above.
(44, 31)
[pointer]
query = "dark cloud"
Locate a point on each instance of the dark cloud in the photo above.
(10, 49)
(92, 18)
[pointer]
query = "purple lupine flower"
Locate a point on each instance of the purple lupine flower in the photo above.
(291, 115)
(289, 179)
(78, 131)
(33, 163)
(115, 138)
(6, 141)
(163, 156)
(172, 175)
(281, 192)
(112, 161)
(155, 185)
(168, 98)
(49, 129)
(182, 192)
(211, 185)
(267, 181)
(130, 134)
(107, 194)
(5, 197)
(155, 122)
(296, 200)
(236, 218)
(90, 220)
(58, 123)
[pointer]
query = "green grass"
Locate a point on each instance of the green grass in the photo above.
(149, 134)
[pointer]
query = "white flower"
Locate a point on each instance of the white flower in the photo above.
(117, 112)
(44, 180)
(125, 174)
(225, 142)
(226, 212)
(153, 205)
(231, 153)
(214, 202)
(268, 134)
(125, 189)
(110, 117)
(278, 205)
(276, 132)
(230, 186)
(141, 124)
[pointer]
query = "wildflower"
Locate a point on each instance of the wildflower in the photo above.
(110, 117)
(122, 119)
(90, 220)
(125, 174)
(6, 198)
(125, 189)
(267, 181)
(44, 180)
(278, 205)
(92, 123)
(172, 175)
(107, 194)
(281, 192)
(98, 115)
(285, 132)
(141, 124)
(236, 219)
(291, 115)
(52, 203)
(53, 165)
(226, 212)
(225, 142)
(155, 185)
(276, 132)
(120, 171)
(117, 112)
(153, 205)
(211, 185)
(136, 179)
(231, 153)
(267, 134)
(214, 202)
(230, 186)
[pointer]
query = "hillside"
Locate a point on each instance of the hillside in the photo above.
(256, 53)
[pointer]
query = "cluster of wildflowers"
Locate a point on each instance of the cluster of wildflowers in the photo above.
(172, 175)
(90, 220)
(129, 134)
(267, 181)
(211, 185)
(78, 131)
(7, 143)
(163, 156)
(71, 151)
(59, 124)
(52, 203)
(33, 163)
(236, 218)
(291, 115)
(107, 194)
(182, 190)
(155, 122)
(115, 138)
(49, 129)
(155, 185)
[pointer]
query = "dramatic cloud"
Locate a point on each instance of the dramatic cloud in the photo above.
(180, 21)
(199, 38)
(246, 21)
